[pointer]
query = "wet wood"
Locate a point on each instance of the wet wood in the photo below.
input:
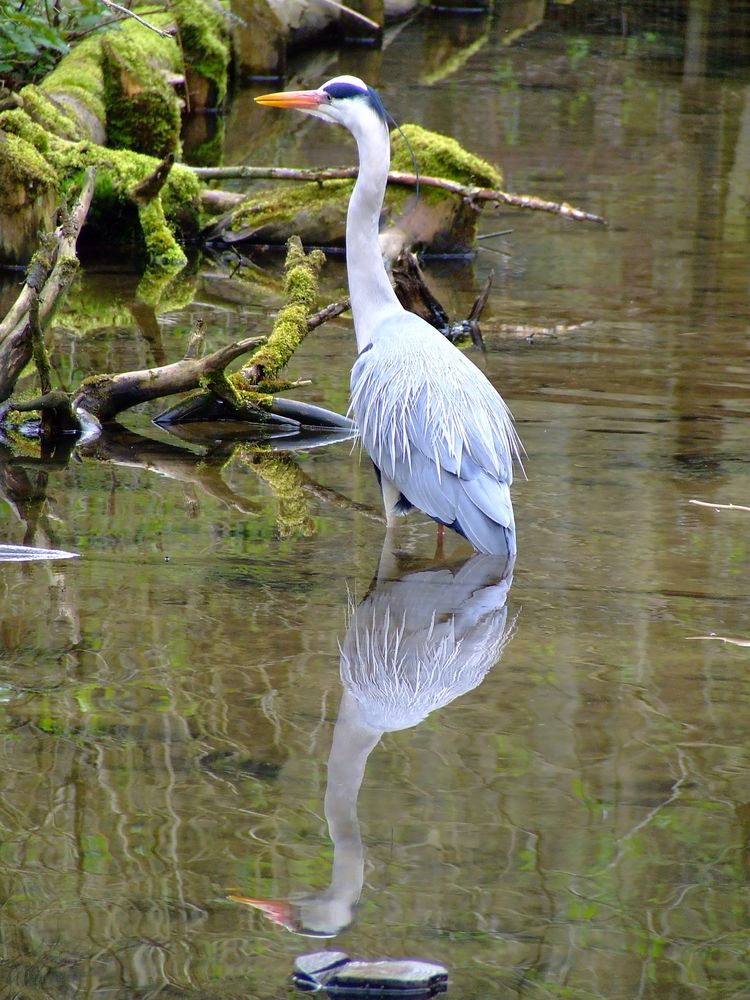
(48, 278)
(104, 396)
(147, 189)
(475, 194)
(414, 294)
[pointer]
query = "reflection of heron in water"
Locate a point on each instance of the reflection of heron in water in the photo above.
(414, 644)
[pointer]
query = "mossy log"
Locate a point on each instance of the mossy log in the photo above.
(57, 164)
(442, 221)
(104, 396)
(244, 395)
(115, 89)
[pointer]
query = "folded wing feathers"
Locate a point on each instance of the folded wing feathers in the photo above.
(437, 429)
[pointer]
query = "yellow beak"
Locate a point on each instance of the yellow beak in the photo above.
(302, 99)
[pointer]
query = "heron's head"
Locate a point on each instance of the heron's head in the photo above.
(344, 100)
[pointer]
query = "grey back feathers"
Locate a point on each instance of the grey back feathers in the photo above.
(437, 431)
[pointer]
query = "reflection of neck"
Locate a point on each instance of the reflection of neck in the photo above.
(353, 741)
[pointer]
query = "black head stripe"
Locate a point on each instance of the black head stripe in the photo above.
(341, 90)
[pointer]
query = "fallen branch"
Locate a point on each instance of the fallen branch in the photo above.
(395, 177)
(248, 394)
(49, 276)
(104, 396)
(331, 311)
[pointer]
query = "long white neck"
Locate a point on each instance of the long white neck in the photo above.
(370, 289)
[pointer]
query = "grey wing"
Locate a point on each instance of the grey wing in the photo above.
(439, 433)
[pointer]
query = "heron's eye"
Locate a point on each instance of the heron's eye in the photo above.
(342, 90)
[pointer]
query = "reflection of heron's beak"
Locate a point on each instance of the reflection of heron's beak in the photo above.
(279, 910)
(305, 100)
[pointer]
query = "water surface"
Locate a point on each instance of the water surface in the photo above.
(578, 822)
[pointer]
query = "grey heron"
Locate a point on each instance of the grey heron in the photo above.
(439, 434)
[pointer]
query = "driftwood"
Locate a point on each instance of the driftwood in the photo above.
(104, 396)
(51, 272)
(472, 194)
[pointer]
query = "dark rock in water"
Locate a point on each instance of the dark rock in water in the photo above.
(342, 977)
(313, 966)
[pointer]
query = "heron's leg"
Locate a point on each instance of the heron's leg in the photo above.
(391, 497)
(440, 538)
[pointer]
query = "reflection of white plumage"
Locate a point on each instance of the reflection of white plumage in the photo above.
(418, 642)
(439, 434)
(414, 644)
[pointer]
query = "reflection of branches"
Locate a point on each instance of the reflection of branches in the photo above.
(282, 474)
(126, 448)
(648, 818)
(337, 499)
(289, 485)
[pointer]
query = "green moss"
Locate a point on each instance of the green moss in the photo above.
(166, 289)
(248, 403)
(204, 42)
(440, 156)
(210, 152)
(161, 246)
(39, 106)
(142, 110)
(117, 172)
(284, 201)
(22, 167)
(284, 478)
(79, 74)
(290, 328)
